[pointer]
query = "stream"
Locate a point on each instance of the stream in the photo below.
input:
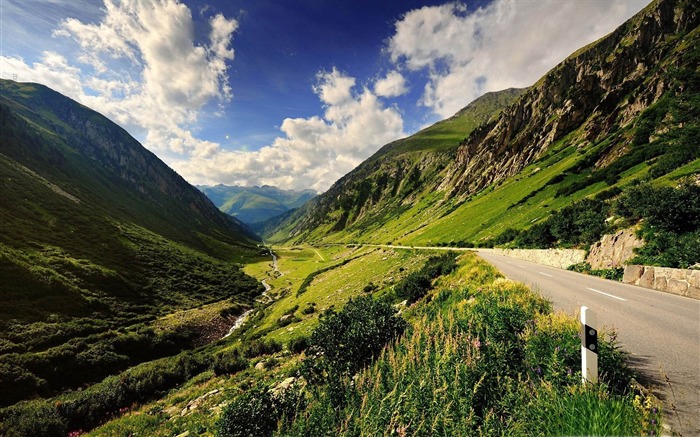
(240, 320)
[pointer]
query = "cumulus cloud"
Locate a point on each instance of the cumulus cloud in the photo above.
(507, 43)
(393, 85)
(313, 152)
(142, 68)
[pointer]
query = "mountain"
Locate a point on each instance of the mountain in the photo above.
(97, 235)
(255, 204)
(385, 184)
(621, 111)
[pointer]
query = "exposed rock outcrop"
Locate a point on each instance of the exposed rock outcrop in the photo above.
(613, 250)
(589, 91)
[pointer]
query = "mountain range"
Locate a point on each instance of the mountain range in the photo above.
(255, 204)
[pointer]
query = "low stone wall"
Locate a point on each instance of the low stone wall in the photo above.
(561, 258)
(684, 282)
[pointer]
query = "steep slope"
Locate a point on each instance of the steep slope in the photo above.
(255, 204)
(615, 112)
(97, 234)
(387, 183)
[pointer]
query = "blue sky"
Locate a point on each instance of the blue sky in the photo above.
(290, 93)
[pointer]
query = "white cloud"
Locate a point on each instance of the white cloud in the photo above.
(144, 70)
(393, 85)
(314, 152)
(506, 44)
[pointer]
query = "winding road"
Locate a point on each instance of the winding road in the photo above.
(660, 331)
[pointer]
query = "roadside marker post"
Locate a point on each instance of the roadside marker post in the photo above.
(589, 346)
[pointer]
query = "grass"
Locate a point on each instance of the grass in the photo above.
(332, 288)
(460, 370)
(452, 374)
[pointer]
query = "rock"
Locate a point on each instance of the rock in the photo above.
(184, 434)
(647, 278)
(284, 385)
(676, 286)
(196, 403)
(260, 365)
(660, 283)
(632, 274)
(613, 250)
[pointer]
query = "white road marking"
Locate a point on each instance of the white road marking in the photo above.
(609, 295)
(546, 274)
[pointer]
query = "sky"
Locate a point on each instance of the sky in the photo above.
(290, 93)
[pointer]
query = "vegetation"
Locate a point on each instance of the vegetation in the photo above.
(417, 284)
(486, 357)
(670, 223)
(95, 253)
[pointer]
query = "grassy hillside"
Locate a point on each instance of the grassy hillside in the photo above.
(387, 183)
(590, 128)
(489, 355)
(98, 240)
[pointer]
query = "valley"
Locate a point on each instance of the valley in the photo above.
(135, 303)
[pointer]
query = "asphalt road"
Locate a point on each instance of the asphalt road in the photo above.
(660, 331)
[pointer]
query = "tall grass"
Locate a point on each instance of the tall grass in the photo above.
(484, 357)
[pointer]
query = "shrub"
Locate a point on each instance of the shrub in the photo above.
(347, 340)
(538, 235)
(257, 348)
(417, 284)
(258, 412)
(251, 414)
(299, 345)
(670, 225)
(228, 361)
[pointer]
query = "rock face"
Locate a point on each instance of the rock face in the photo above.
(587, 92)
(585, 101)
(683, 282)
(613, 250)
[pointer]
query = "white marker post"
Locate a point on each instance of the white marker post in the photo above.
(589, 346)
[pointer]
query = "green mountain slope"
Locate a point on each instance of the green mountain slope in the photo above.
(255, 204)
(97, 234)
(618, 112)
(386, 184)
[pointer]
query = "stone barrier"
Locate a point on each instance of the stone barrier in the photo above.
(561, 258)
(683, 282)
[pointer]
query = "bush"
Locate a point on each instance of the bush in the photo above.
(417, 284)
(228, 361)
(251, 414)
(538, 235)
(345, 341)
(299, 345)
(670, 223)
(257, 348)
(258, 412)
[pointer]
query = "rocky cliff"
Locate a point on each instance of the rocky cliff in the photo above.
(601, 87)
(600, 110)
